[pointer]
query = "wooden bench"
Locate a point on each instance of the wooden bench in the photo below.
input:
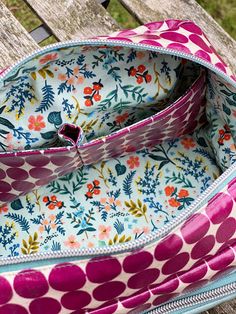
(84, 18)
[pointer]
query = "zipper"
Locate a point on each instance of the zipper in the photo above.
(208, 296)
(147, 239)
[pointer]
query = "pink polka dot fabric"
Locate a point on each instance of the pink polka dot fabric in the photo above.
(184, 260)
(25, 171)
(196, 252)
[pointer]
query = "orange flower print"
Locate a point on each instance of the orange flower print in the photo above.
(183, 193)
(36, 123)
(80, 80)
(93, 189)
(76, 70)
(122, 118)
(71, 80)
(71, 242)
(169, 190)
(48, 57)
(173, 202)
(52, 202)
(140, 73)
(104, 232)
(92, 93)
(188, 142)
(62, 77)
(3, 209)
(133, 162)
(41, 229)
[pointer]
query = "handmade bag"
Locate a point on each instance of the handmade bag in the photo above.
(118, 176)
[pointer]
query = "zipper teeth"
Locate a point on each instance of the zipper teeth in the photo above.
(211, 295)
(135, 244)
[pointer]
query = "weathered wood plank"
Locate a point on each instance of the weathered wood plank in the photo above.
(74, 19)
(15, 41)
(152, 10)
(225, 308)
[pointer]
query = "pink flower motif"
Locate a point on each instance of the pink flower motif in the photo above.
(104, 232)
(71, 242)
(146, 230)
(80, 80)
(62, 77)
(9, 137)
(136, 230)
(48, 57)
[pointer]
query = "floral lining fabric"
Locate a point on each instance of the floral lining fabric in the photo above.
(109, 202)
(101, 89)
(121, 199)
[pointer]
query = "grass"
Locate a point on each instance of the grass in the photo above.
(223, 11)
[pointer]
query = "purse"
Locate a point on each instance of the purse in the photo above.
(117, 175)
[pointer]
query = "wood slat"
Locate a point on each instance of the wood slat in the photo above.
(15, 41)
(225, 308)
(73, 18)
(153, 10)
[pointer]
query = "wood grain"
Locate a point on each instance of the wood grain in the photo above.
(15, 42)
(224, 308)
(72, 19)
(153, 10)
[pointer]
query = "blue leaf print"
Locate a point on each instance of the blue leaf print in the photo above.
(48, 98)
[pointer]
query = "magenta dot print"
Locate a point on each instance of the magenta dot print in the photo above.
(38, 160)
(137, 262)
(226, 230)
(169, 285)
(5, 290)
(219, 208)
(45, 305)
(164, 298)
(13, 308)
(195, 228)
(23, 186)
(194, 274)
(192, 28)
(221, 260)
(75, 300)
(30, 284)
(168, 248)
(108, 291)
(17, 174)
(4, 186)
(66, 277)
(173, 36)
(2, 174)
(6, 196)
(39, 173)
(197, 40)
(136, 299)
(203, 247)
(12, 161)
(175, 264)
(143, 278)
(100, 270)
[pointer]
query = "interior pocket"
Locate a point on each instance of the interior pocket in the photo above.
(101, 89)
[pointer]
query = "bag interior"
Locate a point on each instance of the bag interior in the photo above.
(103, 90)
